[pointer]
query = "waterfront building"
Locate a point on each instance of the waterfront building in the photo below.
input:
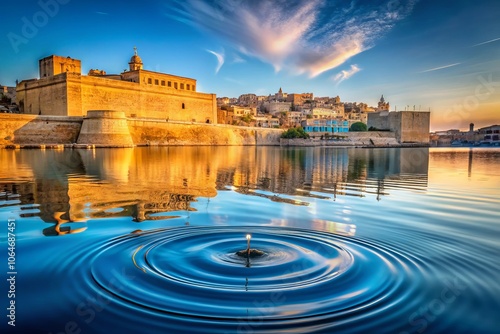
(408, 126)
(324, 125)
(490, 134)
(62, 90)
(455, 137)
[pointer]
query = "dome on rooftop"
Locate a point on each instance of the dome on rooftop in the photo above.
(136, 59)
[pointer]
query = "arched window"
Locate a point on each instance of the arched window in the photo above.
(183, 106)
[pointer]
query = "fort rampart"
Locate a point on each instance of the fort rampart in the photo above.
(29, 130)
(107, 128)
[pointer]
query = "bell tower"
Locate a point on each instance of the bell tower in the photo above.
(135, 62)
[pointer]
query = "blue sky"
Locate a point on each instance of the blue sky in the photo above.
(443, 55)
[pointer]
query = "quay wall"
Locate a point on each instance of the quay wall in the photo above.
(17, 130)
(31, 130)
(353, 139)
(38, 130)
(160, 132)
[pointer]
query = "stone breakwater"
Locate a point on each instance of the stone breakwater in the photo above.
(108, 128)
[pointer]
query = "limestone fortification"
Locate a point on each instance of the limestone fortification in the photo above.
(107, 128)
(407, 126)
(62, 90)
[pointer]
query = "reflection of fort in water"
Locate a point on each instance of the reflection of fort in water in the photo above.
(66, 187)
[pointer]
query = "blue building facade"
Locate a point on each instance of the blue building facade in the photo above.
(325, 125)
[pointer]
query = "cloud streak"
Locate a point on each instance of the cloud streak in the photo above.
(300, 36)
(346, 74)
(220, 60)
(440, 68)
(487, 42)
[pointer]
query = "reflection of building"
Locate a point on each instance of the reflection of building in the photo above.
(67, 188)
(63, 91)
(73, 186)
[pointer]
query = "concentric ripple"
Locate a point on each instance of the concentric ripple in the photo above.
(304, 274)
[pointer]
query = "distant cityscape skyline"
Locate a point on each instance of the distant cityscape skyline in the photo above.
(427, 54)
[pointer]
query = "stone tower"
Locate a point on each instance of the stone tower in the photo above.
(54, 65)
(382, 105)
(135, 62)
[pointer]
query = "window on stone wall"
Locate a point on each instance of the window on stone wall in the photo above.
(183, 106)
(188, 87)
(175, 85)
(182, 86)
(163, 82)
(170, 84)
(194, 88)
(150, 81)
(156, 82)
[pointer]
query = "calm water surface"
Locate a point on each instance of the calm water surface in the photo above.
(354, 240)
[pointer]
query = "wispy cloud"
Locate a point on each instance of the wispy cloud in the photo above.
(440, 68)
(101, 13)
(346, 74)
(238, 59)
(220, 59)
(487, 42)
(301, 36)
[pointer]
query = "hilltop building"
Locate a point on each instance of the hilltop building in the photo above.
(299, 99)
(382, 105)
(62, 90)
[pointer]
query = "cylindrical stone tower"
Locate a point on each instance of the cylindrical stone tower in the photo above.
(105, 128)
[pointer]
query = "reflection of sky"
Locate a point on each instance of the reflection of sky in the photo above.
(466, 168)
(418, 53)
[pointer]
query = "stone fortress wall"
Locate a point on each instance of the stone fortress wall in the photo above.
(104, 128)
(35, 131)
(408, 126)
(63, 91)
